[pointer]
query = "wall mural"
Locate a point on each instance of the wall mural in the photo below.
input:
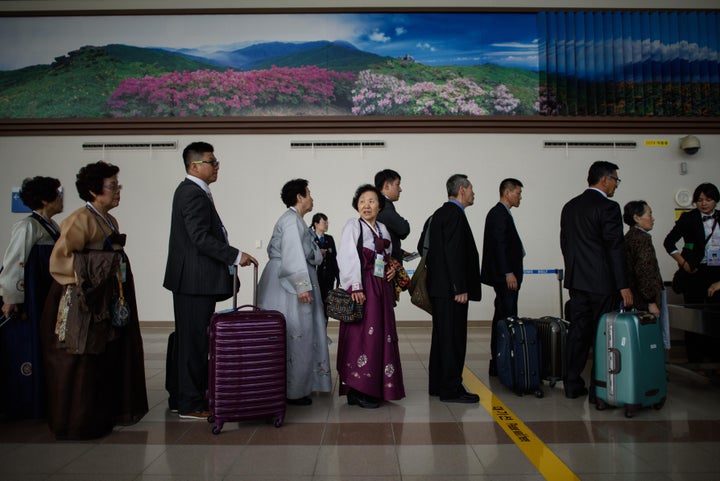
(408, 64)
(413, 64)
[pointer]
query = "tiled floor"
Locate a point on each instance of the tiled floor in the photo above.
(418, 438)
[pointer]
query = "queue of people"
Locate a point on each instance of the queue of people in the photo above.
(73, 284)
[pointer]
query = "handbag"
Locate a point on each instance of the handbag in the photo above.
(401, 281)
(680, 281)
(419, 294)
(340, 306)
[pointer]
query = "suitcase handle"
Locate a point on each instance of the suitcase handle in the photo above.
(236, 287)
(614, 361)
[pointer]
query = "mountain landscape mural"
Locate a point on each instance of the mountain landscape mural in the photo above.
(381, 64)
(596, 63)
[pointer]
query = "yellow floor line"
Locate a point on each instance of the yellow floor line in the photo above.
(549, 465)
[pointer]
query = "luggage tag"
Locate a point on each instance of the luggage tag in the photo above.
(379, 270)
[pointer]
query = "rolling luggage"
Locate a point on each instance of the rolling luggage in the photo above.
(247, 364)
(517, 359)
(552, 333)
(629, 362)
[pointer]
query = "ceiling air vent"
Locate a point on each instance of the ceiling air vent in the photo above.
(130, 146)
(340, 144)
(580, 144)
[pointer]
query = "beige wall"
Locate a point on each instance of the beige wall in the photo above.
(255, 167)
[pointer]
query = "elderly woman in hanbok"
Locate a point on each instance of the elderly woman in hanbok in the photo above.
(95, 381)
(368, 359)
(289, 284)
(643, 271)
(24, 284)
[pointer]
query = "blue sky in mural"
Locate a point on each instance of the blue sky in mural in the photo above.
(430, 38)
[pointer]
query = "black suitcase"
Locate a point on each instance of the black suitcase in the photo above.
(518, 356)
(552, 334)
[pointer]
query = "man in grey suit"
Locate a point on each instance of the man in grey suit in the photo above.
(388, 183)
(199, 272)
(453, 279)
(593, 246)
(502, 260)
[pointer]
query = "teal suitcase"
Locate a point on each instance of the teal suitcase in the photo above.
(629, 362)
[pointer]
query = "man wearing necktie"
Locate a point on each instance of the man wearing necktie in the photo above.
(199, 273)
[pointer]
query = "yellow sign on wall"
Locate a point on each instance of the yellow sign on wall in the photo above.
(657, 143)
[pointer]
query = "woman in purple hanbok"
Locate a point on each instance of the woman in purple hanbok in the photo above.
(368, 358)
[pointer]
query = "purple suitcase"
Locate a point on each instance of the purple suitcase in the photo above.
(247, 365)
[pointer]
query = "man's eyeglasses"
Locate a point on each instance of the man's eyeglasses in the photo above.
(213, 163)
(616, 179)
(113, 187)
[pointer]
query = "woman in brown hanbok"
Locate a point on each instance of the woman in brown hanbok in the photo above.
(94, 363)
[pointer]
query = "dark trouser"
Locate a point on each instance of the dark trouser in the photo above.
(448, 346)
(700, 347)
(585, 311)
(192, 318)
(505, 306)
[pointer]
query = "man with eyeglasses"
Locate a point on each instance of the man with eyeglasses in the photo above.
(199, 272)
(593, 246)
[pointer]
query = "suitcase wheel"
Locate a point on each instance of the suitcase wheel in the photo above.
(600, 405)
(660, 404)
(539, 393)
(278, 421)
(629, 413)
(216, 429)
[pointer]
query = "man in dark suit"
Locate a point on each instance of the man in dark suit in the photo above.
(502, 261)
(388, 183)
(199, 272)
(593, 246)
(453, 278)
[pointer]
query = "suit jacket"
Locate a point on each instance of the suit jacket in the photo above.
(689, 227)
(592, 243)
(502, 247)
(453, 262)
(398, 227)
(198, 253)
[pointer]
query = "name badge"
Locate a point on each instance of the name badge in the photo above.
(379, 270)
(713, 256)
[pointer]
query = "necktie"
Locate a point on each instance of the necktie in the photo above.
(706, 218)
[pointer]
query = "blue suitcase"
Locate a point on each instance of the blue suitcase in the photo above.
(517, 359)
(629, 362)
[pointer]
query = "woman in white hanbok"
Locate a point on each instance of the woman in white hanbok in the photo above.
(289, 284)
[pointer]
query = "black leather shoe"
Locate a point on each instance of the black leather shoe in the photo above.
(356, 398)
(301, 401)
(576, 393)
(463, 398)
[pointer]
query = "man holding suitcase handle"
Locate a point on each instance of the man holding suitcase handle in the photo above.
(593, 247)
(199, 272)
